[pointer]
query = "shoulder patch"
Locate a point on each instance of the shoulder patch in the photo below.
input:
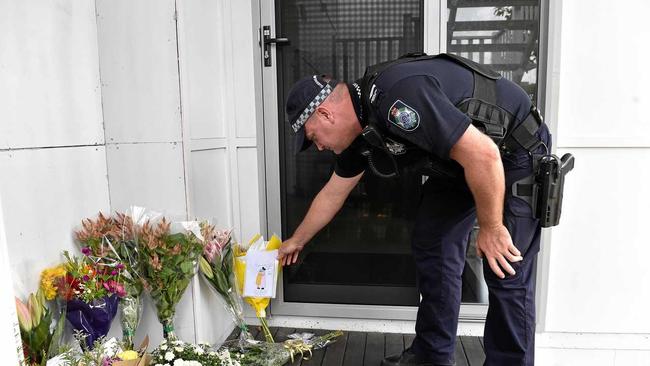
(403, 116)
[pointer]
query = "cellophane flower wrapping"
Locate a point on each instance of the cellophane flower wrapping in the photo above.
(216, 265)
(105, 352)
(92, 318)
(40, 339)
(91, 289)
(259, 304)
(169, 262)
(298, 346)
(114, 239)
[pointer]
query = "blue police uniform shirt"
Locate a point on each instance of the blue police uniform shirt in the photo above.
(416, 101)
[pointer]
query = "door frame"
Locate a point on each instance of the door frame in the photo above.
(435, 35)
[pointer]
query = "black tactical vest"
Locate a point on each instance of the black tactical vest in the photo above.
(388, 154)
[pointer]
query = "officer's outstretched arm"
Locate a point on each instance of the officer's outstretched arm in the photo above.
(323, 208)
(481, 161)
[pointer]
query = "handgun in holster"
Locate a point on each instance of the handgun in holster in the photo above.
(544, 189)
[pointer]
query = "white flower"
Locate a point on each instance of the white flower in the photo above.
(198, 350)
(169, 356)
(163, 347)
(178, 349)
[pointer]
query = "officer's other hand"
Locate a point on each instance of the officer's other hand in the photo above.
(289, 251)
(495, 244)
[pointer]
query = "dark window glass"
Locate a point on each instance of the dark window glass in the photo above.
(363, 255)
(506, 38)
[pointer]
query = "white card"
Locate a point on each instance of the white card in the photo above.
(261, 273)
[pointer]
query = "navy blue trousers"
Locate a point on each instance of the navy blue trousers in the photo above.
(445, 218)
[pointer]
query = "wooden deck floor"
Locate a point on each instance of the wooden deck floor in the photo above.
(368, 349)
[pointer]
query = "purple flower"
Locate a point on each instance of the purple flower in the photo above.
(86, 251)
(120, 266)
(114, 273)
(86, 278)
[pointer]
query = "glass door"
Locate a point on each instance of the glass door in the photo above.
(363, 255)
(360, 265)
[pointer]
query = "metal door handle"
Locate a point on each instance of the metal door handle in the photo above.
(277, 41)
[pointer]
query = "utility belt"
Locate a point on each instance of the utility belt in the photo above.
(543, 190)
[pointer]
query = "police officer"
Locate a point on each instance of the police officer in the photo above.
(414, 106)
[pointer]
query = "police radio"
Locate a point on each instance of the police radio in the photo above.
(549, 179)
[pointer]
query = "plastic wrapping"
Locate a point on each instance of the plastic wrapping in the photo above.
(93, 318)
(131, 305)
(130, 312)
(298, 346)
(39, 336)
(114, 239)
(259, 304)
(168, 261)
(216, 264)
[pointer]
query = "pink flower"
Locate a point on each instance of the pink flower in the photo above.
(115, 287)
(210, 250)
(222, 238)
(86, 251)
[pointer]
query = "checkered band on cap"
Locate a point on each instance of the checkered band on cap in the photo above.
(311, 107)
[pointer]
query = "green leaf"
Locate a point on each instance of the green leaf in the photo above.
(56, 336)
(222, 281)
(187, 267)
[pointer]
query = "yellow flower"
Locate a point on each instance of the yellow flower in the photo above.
(128, 355)
(259, 304)
(48, 280)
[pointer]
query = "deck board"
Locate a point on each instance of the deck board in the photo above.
(361, 348)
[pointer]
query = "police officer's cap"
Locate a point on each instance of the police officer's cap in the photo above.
(305, 96)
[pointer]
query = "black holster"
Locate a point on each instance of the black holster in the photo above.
(544, 189)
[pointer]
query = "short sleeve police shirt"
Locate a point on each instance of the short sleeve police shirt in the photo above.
(416, 101)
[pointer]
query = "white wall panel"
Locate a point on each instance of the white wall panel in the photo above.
(248, 183)
(631, 358)
(10, 333)
(202, 52)
(573, 357)
(45, 194)
(603, 90)
(49, 74)
(210, 193)
(598, 261)
(139, 70)
(149, 175)
(242, 39)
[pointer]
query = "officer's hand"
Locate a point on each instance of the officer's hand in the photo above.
(288, 252)
(496, 245)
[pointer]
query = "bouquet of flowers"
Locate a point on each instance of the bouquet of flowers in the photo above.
(179, 353)
(299, 345)
(216, 264)
(91, 289)
(35, 318)
(105, 352)
(259, 304)
(113, 239)
(168, 264)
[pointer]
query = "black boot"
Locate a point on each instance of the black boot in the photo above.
(406, 358)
